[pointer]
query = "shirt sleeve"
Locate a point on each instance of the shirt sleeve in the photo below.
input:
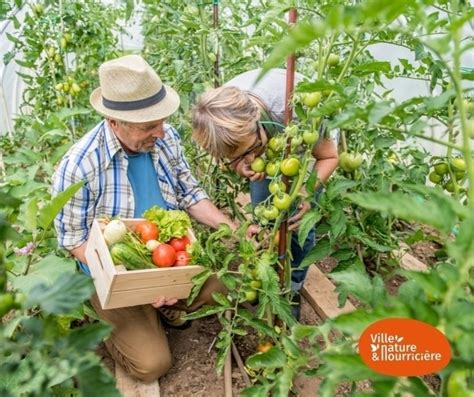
(188, 189)
(74, 220)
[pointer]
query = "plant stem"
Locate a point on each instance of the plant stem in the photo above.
(456, 76)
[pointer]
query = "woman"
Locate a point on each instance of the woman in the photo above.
(235, 122)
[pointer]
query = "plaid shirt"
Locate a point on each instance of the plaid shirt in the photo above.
(100, 159)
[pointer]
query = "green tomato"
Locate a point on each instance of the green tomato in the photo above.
(441, 168)
(258, 165)
(271, 213)
(310, 138)
(290, 167)
(333, 60)
(259, 210)
(272, 168)
(459, 175)
(271, 155)
(75, 88)
(51, 52)
(461, 383)
(349, 162)
(250, 295)
(277, 144)
(311, 99)
(435, 178)
(282, 201)
(449, 187)
(255, 284)
(458, 164)
(276, 187)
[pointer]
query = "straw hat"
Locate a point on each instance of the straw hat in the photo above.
(130, 90)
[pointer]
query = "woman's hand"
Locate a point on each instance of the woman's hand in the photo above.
(243, 169)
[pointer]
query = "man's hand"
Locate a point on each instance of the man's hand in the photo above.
(162, 301)
(294, 221)
(243, 169)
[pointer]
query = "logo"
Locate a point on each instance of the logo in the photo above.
(404, 347)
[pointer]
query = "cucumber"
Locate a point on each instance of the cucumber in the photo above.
(123, 254)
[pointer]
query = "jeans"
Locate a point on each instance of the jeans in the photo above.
(259, 192)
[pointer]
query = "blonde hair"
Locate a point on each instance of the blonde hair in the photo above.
(224, 118)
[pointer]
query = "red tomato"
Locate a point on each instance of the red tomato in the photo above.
(147, 230)
(164, 255)
(179, 244)
(182, 258)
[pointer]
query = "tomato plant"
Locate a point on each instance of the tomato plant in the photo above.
(461, 383)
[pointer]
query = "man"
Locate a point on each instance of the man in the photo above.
(236, 121)
(131, 161)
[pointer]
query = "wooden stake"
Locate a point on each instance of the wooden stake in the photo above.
(240, 363)
(228, 367)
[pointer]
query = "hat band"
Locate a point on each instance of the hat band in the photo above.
(135, 105)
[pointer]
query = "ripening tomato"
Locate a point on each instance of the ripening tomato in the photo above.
(270, 213)
(290, 166)
(264, 346)
(458, 164)
(276, 187)
(282, 201)
(183, 258)
(146, 230)
(277, 144)
(272, 168)
(179, 243)
(164, 255)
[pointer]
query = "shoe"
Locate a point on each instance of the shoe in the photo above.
(174, 318)
(296, 305)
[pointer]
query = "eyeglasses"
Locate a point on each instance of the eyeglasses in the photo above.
(257, 144)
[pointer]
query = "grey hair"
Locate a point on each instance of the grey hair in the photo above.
(223, 119)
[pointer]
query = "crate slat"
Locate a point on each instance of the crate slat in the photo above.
(146, 278)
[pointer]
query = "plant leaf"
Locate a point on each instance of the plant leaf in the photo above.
(50, 210)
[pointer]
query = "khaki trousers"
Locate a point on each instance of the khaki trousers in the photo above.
(138, 340)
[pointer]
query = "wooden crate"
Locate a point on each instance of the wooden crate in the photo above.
(118, 287)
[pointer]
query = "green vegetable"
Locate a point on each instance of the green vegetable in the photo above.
(128, 255)
(173, 223)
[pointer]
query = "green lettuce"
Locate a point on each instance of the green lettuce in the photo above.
(172, 223)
